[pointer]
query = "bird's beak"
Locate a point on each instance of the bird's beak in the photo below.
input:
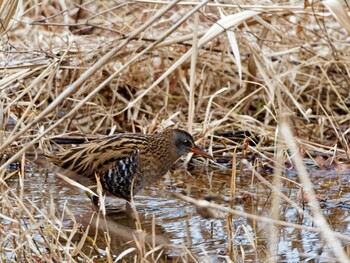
(199, 151)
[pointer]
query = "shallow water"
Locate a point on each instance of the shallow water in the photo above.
(180, 223)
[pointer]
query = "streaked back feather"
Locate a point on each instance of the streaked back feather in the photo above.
(99, 155)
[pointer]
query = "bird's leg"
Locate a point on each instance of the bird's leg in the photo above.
(95, 200)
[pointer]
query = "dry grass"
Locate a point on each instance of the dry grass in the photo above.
(100, 67)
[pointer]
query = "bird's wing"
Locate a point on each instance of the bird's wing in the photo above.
(119, 179)
(97, 156)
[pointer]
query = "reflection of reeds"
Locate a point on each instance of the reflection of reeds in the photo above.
(101, 67)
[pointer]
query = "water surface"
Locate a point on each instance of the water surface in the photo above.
(180, 224)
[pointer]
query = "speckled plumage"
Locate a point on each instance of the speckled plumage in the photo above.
(124, 160)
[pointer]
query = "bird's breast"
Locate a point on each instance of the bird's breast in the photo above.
(153, 168)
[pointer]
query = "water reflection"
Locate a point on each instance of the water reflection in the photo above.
(179, 223)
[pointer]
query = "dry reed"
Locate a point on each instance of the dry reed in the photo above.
(99, 67)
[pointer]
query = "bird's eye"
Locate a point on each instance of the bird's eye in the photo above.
(187, 142)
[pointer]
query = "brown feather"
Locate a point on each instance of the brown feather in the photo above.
(98, 155)
(123, 158)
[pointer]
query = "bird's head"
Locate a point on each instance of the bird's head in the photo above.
(184, 143)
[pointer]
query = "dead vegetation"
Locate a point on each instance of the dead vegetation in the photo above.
(268, 71)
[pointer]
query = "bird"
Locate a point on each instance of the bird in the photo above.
(125, 163)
